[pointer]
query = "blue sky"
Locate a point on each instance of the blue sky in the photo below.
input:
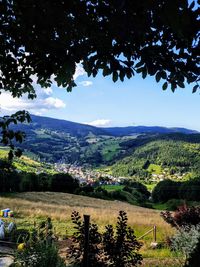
(100, 102)
(133, 102)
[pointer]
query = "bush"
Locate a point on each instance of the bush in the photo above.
(185, 241)
(173, 204)
(63, 182)
(130, 185)
(76, 250)
(39, 254)
(183, 216)
(165, 190)
(194, 257)
(107, 249)
(40, 250)
(121, 247)
(190, 190)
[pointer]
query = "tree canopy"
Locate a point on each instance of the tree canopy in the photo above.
(121, 38)
(44, 40)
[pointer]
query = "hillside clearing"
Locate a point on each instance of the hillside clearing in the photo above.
(35, 206)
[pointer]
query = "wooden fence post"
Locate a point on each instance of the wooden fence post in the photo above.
(86, 241)
(154, 233)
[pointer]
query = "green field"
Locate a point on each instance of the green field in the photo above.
(153, 168)
(26, 164)
(112, 187)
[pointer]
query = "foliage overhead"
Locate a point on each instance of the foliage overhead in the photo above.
(9, 136)
(48, 38)
(42, 41)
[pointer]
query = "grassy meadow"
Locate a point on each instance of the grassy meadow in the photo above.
(36, 206)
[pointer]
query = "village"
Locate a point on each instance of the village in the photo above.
(88, 176)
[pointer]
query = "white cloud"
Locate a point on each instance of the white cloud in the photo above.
(47, 91)
(52, 102)
(100, 123)
(36, 106)
(86, 83)
(79, 71)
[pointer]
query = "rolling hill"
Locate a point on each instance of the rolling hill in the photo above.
(162, 157)
(129, 151)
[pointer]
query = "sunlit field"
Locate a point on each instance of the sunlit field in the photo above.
(35, 206)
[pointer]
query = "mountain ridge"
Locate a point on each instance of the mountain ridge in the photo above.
(116, 131)
(53, 140)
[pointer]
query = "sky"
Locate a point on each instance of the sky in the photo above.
(100, 102)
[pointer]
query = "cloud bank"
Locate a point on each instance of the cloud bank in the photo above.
(86, 83)
(100, 123)
(38, 106)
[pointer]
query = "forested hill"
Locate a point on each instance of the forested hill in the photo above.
(173, 156)
(54, 140)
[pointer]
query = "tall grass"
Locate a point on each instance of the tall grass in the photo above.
(35, 206)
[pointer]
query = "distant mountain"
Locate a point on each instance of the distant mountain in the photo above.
(68, 127)
(130, 130)
(79, 129)
(54, 140)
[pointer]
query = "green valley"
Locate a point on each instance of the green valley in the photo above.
(143, 153)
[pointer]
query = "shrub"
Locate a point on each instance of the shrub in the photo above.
(63, 182)
(194, 257)
(108, 249)
(190, 190)
(165, 190)
(40, 250)
(173, 204)
(183, 216)
(77, 248)
(130, 185)
(39, 254)
(185, 241)
(121, 247)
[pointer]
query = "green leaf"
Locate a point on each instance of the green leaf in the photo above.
(139, 64)
(158, 76)
(173, 86)
(94, 72)
(163, 74)
(195, 88)
(140, 70)
(192, 5)
(106, 71)
(144, 73)
(181, 84)
(129, 73)
(191, 79)
(115, 76)
(165, 85)
(122, 75)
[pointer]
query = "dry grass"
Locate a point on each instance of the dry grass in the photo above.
(60, 205)
(35, 206)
